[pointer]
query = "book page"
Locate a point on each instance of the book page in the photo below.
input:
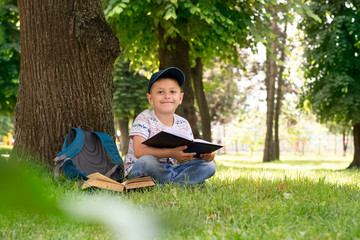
(204, 141)
(98, 175)
(139, 182)
(99, 183)
(179, 133)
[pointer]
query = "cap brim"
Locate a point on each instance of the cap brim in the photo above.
(171, 72)
(174, 73)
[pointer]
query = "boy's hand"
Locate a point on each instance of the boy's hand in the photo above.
(208, 157)
(180, 156)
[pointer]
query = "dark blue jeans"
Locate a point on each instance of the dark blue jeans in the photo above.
(188, 173)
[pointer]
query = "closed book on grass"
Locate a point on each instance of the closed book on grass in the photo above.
(172, 139)
(98, 180)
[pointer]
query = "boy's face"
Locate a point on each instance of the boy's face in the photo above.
(165, 95)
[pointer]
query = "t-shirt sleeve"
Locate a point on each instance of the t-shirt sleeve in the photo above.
(140, 127)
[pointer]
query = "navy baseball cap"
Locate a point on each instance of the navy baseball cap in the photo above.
(171, 72)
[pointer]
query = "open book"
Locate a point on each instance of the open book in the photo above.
(171, 139)
(100, 181)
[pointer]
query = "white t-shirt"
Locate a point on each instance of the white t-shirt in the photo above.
(147, 125)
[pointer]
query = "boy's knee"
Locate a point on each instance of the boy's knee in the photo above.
(144, 166)
(148, 159)
(148, 162)
(211, 168)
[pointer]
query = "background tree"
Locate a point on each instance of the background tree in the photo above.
(278, 15)
(67, 57)
(129, 98)
(202, 102)
(9, 55)
(344, 130)
(271, 73)
(279, 89)
(176, 33)
(332, 65)
(225, 99)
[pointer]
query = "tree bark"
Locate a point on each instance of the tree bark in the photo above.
(67, 56)
(196, 75)
(345, 142)
(279, 94)
(356, 161)
(123, 125)
(270, 90)
(174, 52)
(276, 121)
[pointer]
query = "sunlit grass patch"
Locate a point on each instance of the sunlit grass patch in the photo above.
(5, 150)
(286, 162)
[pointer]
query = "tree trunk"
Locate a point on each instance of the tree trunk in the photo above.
(279, 95)
(356, 161)
(344, 141)
(276, 122)
(174, 52)
(123, 125)
(270, 89)
(196, 75)
(67, 56)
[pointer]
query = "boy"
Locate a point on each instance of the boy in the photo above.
(165, 95)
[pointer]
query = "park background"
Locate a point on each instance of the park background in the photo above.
(276, 82)
(254, 87)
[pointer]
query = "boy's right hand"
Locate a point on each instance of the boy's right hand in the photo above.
(180, 156)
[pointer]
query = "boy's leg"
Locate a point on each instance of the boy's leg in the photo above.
(149, 165)
(193, 172)
(187, 173)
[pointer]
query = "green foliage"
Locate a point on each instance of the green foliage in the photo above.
(332, 63)
(130, 90)
(9, 56)
(212, 28)
(223, 96)
(339, 128)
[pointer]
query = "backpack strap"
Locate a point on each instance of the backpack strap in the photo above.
(110, 147)
(76, 146)
(69, 151)
(112, 170)
(59, 161)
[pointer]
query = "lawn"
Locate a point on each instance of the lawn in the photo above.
(300, 197)
(5, 150)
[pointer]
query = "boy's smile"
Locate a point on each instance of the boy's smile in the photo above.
(165, 95)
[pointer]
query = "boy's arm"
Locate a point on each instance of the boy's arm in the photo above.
(177, 153)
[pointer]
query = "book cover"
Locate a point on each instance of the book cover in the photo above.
(100, 181)
(172, 139)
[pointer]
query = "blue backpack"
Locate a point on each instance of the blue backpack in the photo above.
(86, 152)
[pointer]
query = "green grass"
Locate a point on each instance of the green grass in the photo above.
(242, 201)
(5, 150)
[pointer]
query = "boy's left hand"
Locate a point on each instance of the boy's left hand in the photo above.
(208, 157)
